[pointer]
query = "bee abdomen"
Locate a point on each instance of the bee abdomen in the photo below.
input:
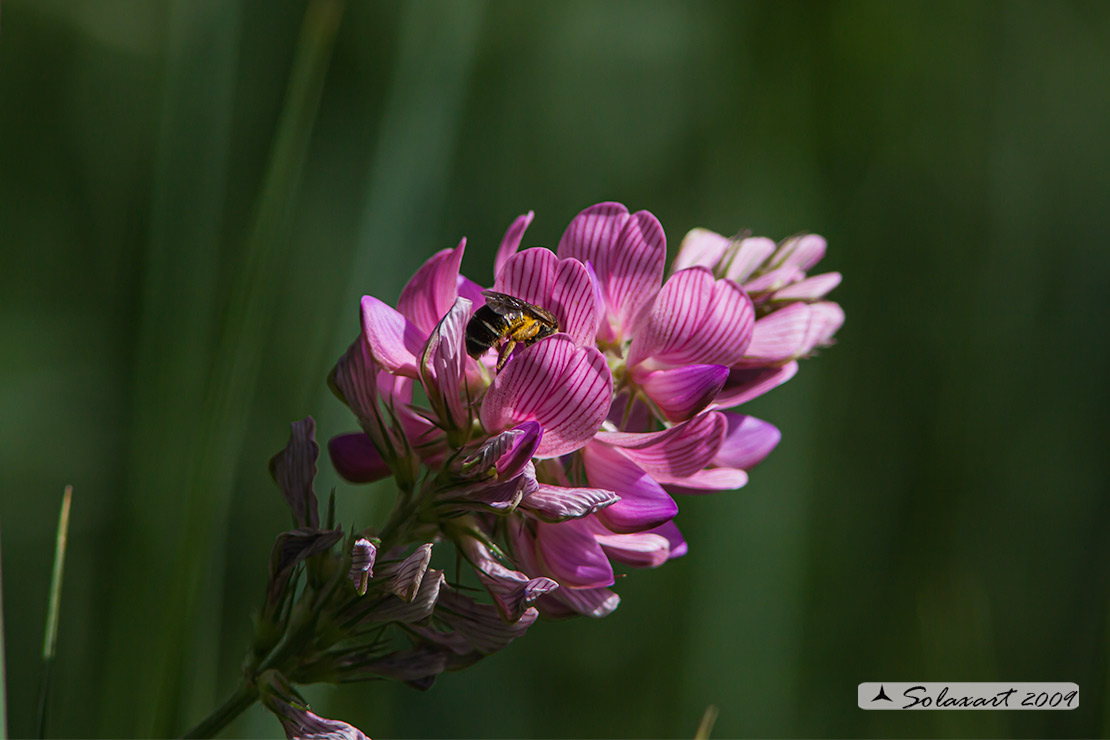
(483, 331)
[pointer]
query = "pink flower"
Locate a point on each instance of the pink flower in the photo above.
(582, 438)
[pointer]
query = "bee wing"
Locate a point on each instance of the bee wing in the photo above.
(502, 303)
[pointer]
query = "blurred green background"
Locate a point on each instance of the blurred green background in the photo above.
(182, 249)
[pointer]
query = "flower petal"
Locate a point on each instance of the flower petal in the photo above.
(529, 276)
(559, 503)
(511, 242)
(443, 364)
(672, 453)
(591, 235)
(432, 290)
(811, 289)
(675, 539)
(825, 319)
(567, 389)
(744, 384)
(572, 556)
(512, 591)
(395, 342)
(696, 320)
(480, 625)
(700, 247)
(294, 469)
(778, 337)
(471, 291)
(640, 549)
(800, 252)
(635, 271)
(363, 554)
(747, 441)
(710, 480)
(589, 602)
(574, 302)
(405, 576)
(356, 458)
(643, 502)
(751, 253)
(681, 392)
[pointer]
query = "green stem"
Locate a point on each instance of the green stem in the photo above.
(245, 695)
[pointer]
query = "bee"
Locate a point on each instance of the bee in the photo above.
(508, 318)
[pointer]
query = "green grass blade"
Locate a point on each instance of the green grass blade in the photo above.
(708, 719)
(50, 639)
(3, 672)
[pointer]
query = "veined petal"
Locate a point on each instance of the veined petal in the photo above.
(640, 549)
(395, 342)
(710, 480)
(591, 236)
(681, 392)
(574, 302)
(443, 364)
(512, 591)
(363, 554)
(744, 384)
(511, 242)
(356, 458)
(432, 290)
(635, 271)
(696, 320)
(589, 602)
(521, 451)
(672, 453)
(471, 291)
(772, 280)
(559, 503)
(405, 576)
(747, 441)
(700, 248)
(529, 275)
(567, 389)
(572, 556)
(643, 502)
(811, 289)
(294, 469)
(778, 337)
(480, 624)
(750, 254)
(826, 318)
(801, 252)
(674, 537)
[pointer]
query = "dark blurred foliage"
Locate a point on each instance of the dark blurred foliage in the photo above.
(937, 509)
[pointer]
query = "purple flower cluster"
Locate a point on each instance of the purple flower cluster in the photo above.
(567, 460)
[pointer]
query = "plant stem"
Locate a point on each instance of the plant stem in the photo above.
(50, 639)
(244, 696)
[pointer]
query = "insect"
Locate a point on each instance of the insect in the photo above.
(508, 318)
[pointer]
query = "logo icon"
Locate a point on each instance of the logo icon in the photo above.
(882, 694)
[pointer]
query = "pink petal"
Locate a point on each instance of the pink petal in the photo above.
(567, 389)
(811, 289)
(801, 252)
(744, 384)
(572, 556)
(675, 539)
(747, 442)
(511, 242)
(443, 362)
(696, 320)
(640, 550)
(825, 319)
(574, 302)
(673, 453)
(710, 480)
(558, 503)
(471, 291)
(395, 342)
(643, 505)
(700, 248)
(356, 459)
(778, 337)
(593, 602)
(521, 451)
(638, 419)
(512, 591)
(591, 235)
(681, 392)
(773, 280)
(432, 290)
(635, 271)
(750, 255)
(529, 275)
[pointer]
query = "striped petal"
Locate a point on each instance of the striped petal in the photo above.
(811, 289)
(561, 286)
(696, 320)
(744, 384)
(778, 337)
(640, 549)
(558, 503)
(572, 556)
(800, 252)
(700, 248)
(356, 458)
(643, 502)
(591, 235)
(751, 253)
(710, 480)
(673, 453)
(681, 392)
(510, 243)
(294, 469)
(826, 318)
(529, 275)
(443, 365)
(395, 342)
(567, 389)
(747, 442)
(431, 291)
(635, 271)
